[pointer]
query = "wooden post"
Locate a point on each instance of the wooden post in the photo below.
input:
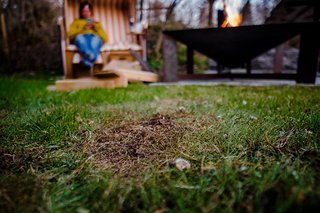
(4, 35)
(170, 59)
(308, 57)
(278, 59)
(68, 72)
(190, 61)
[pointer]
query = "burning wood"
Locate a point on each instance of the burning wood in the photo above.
(230, 15)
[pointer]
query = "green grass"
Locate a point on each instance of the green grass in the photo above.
(251, 149)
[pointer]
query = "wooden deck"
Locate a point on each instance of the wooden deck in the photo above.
(116, 74)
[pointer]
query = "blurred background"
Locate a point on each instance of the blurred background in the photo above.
(30, 37)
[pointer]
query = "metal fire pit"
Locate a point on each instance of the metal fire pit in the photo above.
(236, 46)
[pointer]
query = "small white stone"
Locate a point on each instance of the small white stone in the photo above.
(243, 168)
(253, 118)
(182, 109)
(182, 164)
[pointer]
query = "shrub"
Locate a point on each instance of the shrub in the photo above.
(33, 36)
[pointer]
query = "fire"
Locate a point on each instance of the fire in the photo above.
(233, 16)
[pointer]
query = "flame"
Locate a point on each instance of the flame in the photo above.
(233, 17)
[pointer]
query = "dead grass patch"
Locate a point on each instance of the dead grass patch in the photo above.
(132, 147)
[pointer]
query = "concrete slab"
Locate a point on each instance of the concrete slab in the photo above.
(234, 82)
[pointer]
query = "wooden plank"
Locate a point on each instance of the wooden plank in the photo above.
(121, 82)
(134, 75)
(130, 75)
(85, 83)
(130, 71)
(121, 64)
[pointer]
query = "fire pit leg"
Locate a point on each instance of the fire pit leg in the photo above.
(308, 58)
(170, 59)
(218, 67)
(190, 61)
(248, 66)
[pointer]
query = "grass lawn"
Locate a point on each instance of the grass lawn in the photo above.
(250, 148)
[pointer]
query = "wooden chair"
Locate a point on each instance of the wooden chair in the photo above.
(114, 15)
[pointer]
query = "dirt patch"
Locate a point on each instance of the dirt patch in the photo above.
(132, 147)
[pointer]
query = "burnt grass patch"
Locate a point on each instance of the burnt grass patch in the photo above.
(131, 148)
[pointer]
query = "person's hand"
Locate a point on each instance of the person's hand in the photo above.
(93, 26)
(90, 27)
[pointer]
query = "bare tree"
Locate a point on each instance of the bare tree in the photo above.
(141, 9)
(210, 16)
(172, 6)
(246, 14)
(263, 9)
(156, 11)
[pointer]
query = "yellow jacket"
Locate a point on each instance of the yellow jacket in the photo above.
(78, 27)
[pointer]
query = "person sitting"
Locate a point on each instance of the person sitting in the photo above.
(87, 35)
